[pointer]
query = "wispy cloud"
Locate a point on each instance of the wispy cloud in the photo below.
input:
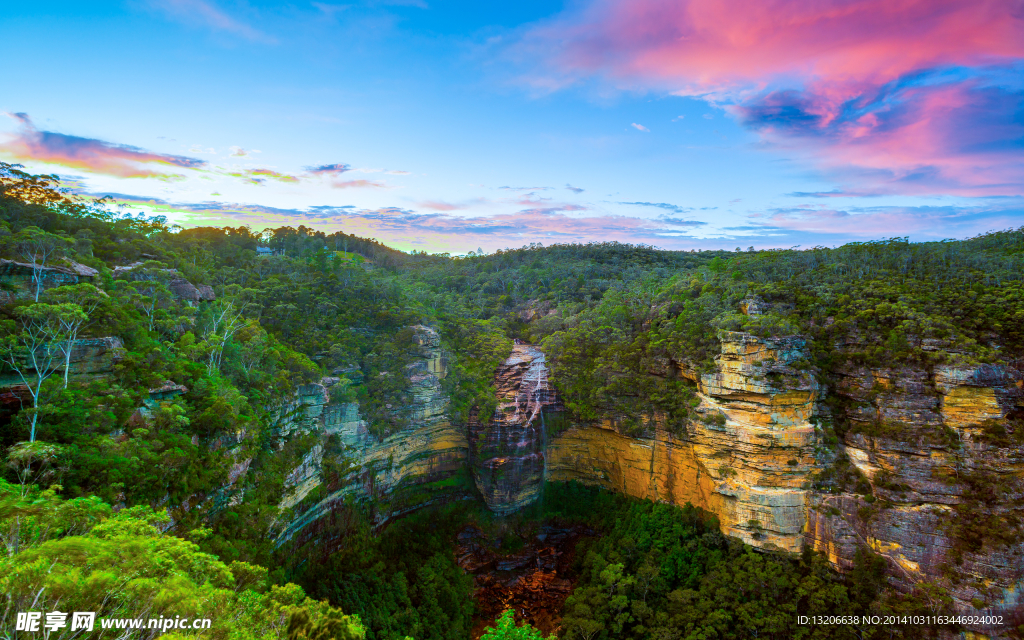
(679, 222)
(390, 172)
(405, 228)
(884, 221)
(660, 205)
(330, 10)
(207, 14)
(419, 4)
(573, 189)
(439, 205)
(97, 156)
(358, 184)
(261, 175)
(329, 169)
(892, 96)
(640, 127)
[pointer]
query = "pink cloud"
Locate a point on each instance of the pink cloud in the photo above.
(902, 96)
(439, 205)
(98, 156)
(349, 184)
(701, 46)
(889, 221)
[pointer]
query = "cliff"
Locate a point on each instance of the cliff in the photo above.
(940, 465)
(945, 469)
(933, 482)
(507, 451)
(403, 471)
(748, 459)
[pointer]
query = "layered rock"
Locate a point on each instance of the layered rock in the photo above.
(748, 460)
(402, 471)
(923, 440)
(20, 277)
(919, 436)
(508, 449)
(89, 357)
(180, 288)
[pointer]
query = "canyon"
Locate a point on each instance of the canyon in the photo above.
(753, 456)
(755, 452)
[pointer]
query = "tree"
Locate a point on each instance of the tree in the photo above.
(32, 352)
(37, 247)
(88, 298)
(35, 463)
(333, 626)
(226, 319)
(507, 630)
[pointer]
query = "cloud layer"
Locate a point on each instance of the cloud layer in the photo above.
(89, 154)
(892, 96)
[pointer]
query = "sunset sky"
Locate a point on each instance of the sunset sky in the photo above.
(447, 126)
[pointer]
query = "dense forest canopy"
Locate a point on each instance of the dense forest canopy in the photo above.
(86, 476)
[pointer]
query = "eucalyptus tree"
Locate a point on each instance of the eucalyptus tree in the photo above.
(32, 350)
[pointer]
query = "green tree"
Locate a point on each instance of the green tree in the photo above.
(37, 247)
(88, 298)
(32, 352)
(505, 629)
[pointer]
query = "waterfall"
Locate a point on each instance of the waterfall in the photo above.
(512, 465)
(544, 455)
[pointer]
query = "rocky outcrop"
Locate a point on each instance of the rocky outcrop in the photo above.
(20, 277)
(749, 459)
(507, 451)
(402, 471)
(945, 470)
(177, 284)
(89, 357)
(934, 447)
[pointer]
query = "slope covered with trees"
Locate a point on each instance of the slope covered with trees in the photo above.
(93, 460)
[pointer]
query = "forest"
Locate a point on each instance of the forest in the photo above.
(113, 496)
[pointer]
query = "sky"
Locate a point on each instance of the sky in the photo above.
(447, 126)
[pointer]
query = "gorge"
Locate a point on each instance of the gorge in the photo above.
(758, 470)
(618, 441)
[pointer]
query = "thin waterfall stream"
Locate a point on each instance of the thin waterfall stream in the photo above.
(508, 452)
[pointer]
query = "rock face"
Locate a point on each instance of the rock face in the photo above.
(403, 471)
(89, 357)
(20, 277)
(180, 288)
(748, 459)
(508, 450)
(924, 441)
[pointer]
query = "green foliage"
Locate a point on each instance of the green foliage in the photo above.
(505, 629)
(78, 556)
(658, 571)
(402, 582)
(627, 330)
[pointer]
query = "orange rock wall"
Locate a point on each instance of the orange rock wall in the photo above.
(750, 469)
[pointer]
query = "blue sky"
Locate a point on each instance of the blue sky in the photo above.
(448, 126)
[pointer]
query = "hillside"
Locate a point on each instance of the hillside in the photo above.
(342, 440)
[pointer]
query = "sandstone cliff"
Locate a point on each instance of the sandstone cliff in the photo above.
(402, 471)
(932, 471)
(946, 495)
(749, 460)
(507, 451)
